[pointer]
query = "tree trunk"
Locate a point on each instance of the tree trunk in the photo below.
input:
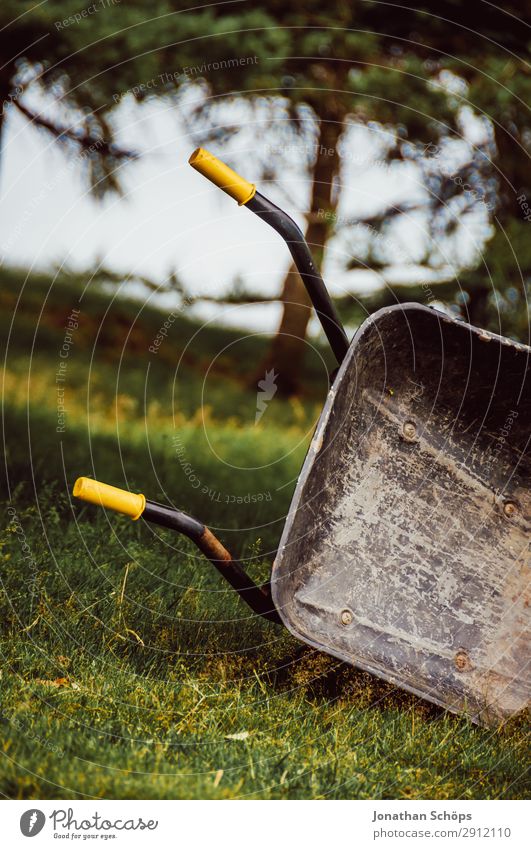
(515, 175)
(477, 309)
(5, 91)
(287, 349)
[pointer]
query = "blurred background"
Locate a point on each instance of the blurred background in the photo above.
(142, 309)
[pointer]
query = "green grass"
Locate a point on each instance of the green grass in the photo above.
(128, 668)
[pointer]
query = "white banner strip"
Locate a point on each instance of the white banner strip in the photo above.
(266, 825)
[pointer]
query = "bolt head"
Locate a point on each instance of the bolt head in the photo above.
(409, 431)
(510, 509)
(462, 661)
(346, 617)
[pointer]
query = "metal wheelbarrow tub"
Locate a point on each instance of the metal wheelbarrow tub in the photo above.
(406, 548)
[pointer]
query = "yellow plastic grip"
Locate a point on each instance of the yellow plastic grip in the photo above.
(110, 496)
(221, 175)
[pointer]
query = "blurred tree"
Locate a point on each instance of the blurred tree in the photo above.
(310, 74)
(79, 56)
(86, 59)
(307, 80)
(444, 90)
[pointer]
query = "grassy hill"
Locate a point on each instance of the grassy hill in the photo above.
(128, 668)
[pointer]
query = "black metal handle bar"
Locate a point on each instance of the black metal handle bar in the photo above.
(135, 505)
(245, 193)
(302, 257)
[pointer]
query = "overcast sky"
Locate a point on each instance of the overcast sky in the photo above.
(170, 217)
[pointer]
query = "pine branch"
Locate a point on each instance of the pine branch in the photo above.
(97, 145)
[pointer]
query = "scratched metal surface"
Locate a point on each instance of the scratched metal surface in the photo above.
(406, 549)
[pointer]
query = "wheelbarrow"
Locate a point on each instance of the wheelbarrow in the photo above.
(406, 546)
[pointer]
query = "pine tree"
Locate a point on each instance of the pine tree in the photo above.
(309, 74)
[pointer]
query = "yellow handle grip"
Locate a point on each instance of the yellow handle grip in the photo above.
(221, 175)
(110, 496)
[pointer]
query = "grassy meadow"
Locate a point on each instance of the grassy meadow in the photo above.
(129, 669)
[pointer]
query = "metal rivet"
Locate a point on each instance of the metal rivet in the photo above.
(346, 617)
(462, 661)
(510, 509)
(409, 431)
